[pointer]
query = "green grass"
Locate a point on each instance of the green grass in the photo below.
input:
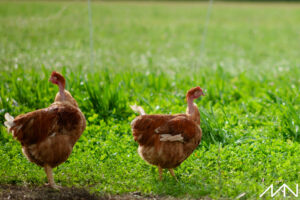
(149, 54)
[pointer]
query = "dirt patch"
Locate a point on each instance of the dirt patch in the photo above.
(14, 192)
(37, 193)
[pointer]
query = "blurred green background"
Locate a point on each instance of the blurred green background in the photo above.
(149, 53)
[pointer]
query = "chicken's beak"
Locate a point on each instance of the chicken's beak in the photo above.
(202, 94)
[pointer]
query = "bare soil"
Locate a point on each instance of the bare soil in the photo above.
(15, 192)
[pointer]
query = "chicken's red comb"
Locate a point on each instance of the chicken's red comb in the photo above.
(55, 73)
(192, 92)
(59, 76)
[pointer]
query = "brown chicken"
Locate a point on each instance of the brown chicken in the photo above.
(48, 135)
(167, 140)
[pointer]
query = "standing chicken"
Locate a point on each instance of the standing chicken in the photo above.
(48, 135)
(167, 140)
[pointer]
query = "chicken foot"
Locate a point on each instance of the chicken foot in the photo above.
(160, 171)
(173, 174)
(50, 178)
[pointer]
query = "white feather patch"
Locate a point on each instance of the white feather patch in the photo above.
(171, 138)
(9, 121)
(52, 135)
(156, 130)
(8, 117)
(8, 124)
(138, 109)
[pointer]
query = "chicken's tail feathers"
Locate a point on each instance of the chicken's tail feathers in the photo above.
(138, 109)
(9, 123)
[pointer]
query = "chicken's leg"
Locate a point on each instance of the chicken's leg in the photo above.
(50, 178)
(160, 171)
(173, 174)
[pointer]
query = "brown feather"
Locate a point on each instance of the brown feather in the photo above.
(48, 135)
(147, 130)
